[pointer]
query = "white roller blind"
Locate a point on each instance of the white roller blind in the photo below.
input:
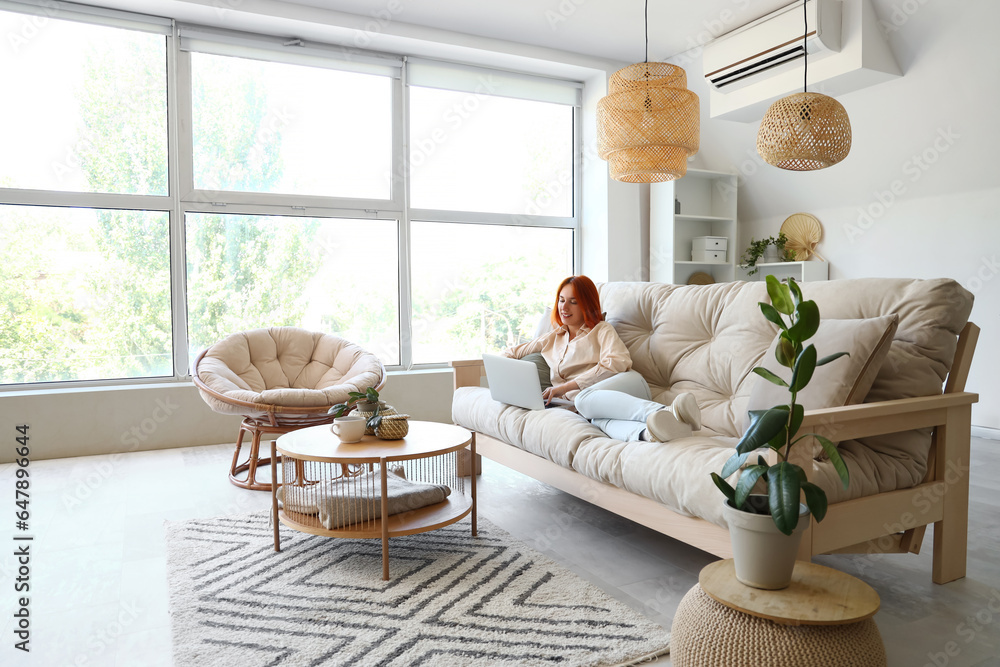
(483, 81)
(290, 50)
(68, 11)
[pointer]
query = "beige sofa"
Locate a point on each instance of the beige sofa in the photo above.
(906, 446)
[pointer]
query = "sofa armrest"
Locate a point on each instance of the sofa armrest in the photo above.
(905, 414)
(468, 372)
(867, 419)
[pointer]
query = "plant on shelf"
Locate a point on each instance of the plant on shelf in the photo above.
(777, 428)
(757, 249)
(365, 401)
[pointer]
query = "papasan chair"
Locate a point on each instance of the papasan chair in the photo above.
(280, 379)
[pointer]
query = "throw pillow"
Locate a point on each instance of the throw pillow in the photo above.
(844, 381)
(544, 375)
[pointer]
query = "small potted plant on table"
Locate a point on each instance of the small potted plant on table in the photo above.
(368, 406)
(766, 529)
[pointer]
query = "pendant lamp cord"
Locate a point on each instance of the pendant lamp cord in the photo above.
(805, 50)
(646, 22)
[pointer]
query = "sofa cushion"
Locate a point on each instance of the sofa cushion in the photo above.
(844, 381)
(554, 434)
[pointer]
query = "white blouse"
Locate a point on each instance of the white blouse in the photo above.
(593, 355)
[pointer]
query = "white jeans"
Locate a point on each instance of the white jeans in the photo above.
(618, 405)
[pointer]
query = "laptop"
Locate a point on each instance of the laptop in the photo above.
(515, 382)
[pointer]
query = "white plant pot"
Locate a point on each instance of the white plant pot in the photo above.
(764, 556)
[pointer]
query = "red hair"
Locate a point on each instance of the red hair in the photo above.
(587, 297)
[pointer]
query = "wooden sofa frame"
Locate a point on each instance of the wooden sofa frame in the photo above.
(891, 522)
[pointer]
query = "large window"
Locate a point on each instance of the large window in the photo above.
(86, 294)
(476, 152)
(466, 303)
(275, 127)
(245, 272)
(163, 186)
(85, 107)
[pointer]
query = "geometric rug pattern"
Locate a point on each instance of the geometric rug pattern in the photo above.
(453, 599)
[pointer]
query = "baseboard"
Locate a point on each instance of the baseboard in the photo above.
(986, 432)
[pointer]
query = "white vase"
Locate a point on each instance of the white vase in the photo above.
(764, 556)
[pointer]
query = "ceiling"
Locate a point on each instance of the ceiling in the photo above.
(611, 29)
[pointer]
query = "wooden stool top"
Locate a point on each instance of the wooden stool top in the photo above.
(818, 595)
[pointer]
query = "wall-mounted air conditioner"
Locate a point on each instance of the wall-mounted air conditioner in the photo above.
(751, 67)
(772, 44)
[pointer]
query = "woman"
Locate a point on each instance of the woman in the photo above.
(590, 365)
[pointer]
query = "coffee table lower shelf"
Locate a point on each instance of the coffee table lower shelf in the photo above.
(421, 520)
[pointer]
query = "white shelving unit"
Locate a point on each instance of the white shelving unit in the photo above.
(707, 208)
(803, 272)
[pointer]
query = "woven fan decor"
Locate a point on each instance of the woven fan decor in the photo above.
(804, 131)
(803, 232)
(648, 124)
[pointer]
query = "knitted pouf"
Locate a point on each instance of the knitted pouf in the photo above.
(706, 633)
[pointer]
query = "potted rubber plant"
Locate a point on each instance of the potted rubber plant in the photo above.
(766, 529)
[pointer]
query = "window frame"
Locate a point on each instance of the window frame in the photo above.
(183, 197)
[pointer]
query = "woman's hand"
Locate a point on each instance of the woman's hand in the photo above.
(559, 391)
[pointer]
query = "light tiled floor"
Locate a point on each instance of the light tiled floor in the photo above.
(98, 563)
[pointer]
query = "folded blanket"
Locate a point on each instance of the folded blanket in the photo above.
(343, 502)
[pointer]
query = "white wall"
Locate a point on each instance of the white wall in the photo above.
(919, 195)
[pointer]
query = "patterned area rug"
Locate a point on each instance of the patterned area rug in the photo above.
(453, 599)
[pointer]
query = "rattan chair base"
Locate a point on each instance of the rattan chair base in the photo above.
(244, 475)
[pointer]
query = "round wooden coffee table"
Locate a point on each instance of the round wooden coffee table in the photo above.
(337, 489)
(823, 619)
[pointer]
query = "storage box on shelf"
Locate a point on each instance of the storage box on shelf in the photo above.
(707, 210)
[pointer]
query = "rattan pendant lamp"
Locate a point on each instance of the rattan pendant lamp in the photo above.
(648, 124)
(805, 131)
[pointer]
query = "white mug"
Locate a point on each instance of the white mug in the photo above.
(349, 428)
